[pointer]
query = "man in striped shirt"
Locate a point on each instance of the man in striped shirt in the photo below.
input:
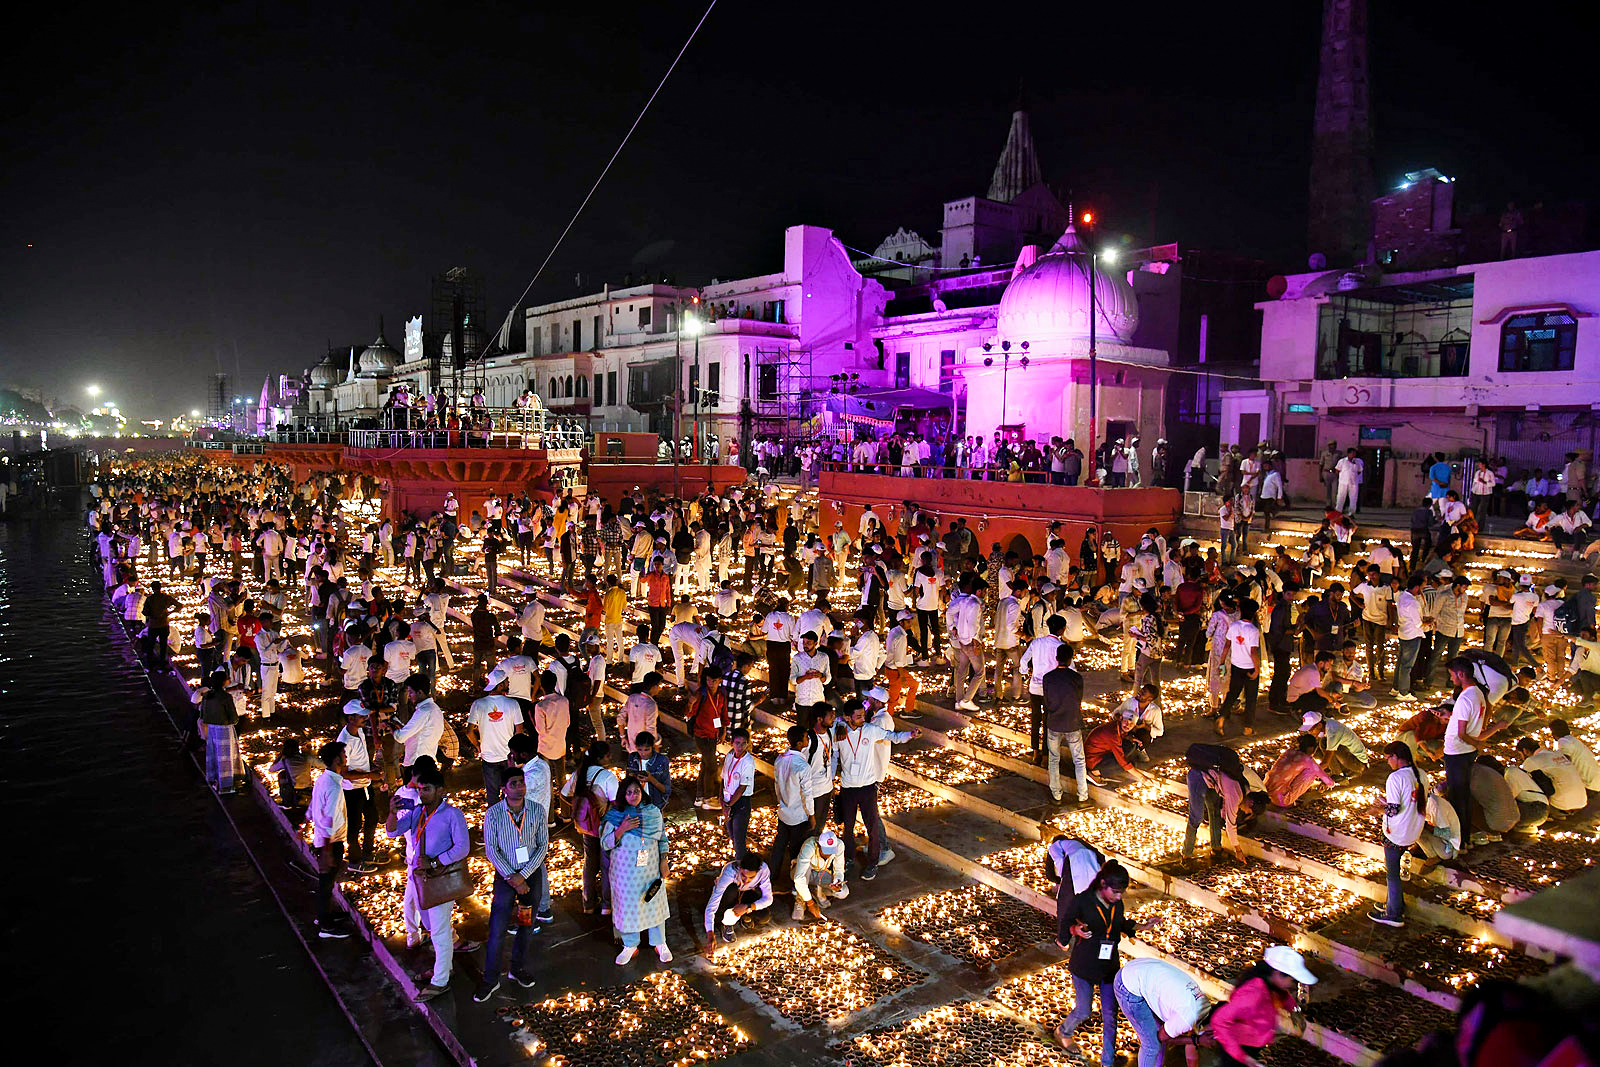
(515, 839)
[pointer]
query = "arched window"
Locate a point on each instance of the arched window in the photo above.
(568, 393)
(555, 389)
(583, 387)
(1543, 341)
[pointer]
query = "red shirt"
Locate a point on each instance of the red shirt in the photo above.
(248, 627)
(1102, 741)
(594, 612)
(658, 589)
(1190, 598)
(1425, 724)
(708, 712)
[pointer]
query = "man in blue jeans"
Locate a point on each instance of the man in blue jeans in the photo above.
(515, 839)
(1063, 713)
(1163, 1004)
(1408, 609)
(1222, 795)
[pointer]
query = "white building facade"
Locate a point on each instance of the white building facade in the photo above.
(1488, 359)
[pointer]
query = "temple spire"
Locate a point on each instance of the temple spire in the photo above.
(1018, 166)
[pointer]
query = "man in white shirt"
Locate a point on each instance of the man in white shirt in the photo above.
(361, 807)
(1568, 793)
(1350, 470)
(1577, 753)
(964, 617)
(819, 870)
(1376, 596)
(1523, 603)
(644, 656)
(791, 777)
(809, 672)
(1244, 667)
(686, 640)
(531, 622)
(858, 781)
(329, 832)
(399, 655)
(1408, 612)
(1008, 643)
(866, 655)
(1038, 660)
(491, 720)
(822, 759)
(1467, 729)
(420, 733)
(515, 669)
(738, 783)
(777, 628)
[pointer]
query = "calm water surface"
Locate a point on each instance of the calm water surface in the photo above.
(136, 927)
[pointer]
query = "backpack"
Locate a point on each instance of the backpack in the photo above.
(1565, 617)
(720, 656)
(578, 684)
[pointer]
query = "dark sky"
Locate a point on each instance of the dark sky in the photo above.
(189, 193)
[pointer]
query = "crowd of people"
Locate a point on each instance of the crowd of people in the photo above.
(738, 592)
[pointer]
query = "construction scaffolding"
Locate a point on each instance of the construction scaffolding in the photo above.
(455, 330)
(782, 395)
(219, 400)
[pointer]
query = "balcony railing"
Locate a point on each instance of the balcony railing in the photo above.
(562, 443)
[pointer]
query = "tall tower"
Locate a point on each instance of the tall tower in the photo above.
(1340, 225)
(1017, 169)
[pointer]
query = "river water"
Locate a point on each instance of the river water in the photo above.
(134, 917)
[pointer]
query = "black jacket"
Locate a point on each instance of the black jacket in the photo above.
(1063, 700)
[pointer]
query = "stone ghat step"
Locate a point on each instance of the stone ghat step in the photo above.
(533, 583)
(1345, 957)
(1434, 913)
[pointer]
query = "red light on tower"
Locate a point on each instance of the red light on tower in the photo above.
(1088, 218)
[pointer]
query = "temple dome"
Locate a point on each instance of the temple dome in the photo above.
(379, 359)
(1049, 300)
(326, 373)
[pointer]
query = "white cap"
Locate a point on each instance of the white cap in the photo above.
(1552, 590)
(1046, 588)
(828, 843)
(1527, 579)
(1310, 719)
(1447, 573)
(877, 694)
(1285, 959)
(1161, 440)
(496, 676)
(905, 613)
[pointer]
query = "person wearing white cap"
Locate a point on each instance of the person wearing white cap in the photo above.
(1523, 603)
(1342, 750)
(903, 684)
(1552, 642)
(1262, 1003)
(819, 870)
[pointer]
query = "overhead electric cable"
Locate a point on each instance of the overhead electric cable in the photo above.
(607, 168)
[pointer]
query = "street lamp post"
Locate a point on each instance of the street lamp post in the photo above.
(1094, 389)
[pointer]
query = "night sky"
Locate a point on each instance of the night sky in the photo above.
(234, 189)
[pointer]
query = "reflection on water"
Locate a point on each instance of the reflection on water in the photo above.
(134, 910)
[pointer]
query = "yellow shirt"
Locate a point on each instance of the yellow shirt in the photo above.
(614, 602)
